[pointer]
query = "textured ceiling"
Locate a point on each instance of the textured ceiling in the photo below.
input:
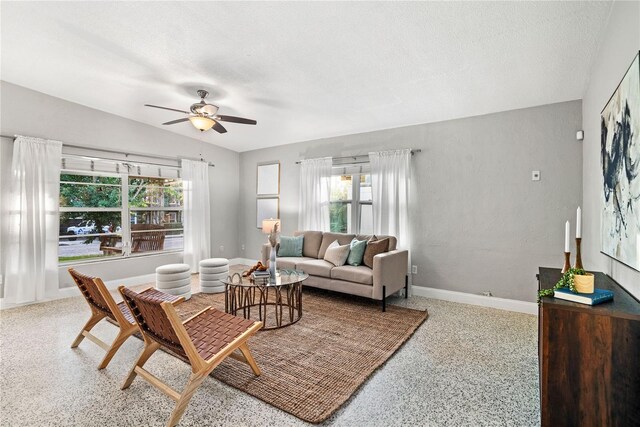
(302, 70)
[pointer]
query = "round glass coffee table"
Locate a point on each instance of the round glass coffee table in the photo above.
(276, 305)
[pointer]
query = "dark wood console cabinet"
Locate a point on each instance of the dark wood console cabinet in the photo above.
(589, 358)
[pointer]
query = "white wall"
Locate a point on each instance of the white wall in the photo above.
(26, 112)
(479, 222)
(619, 45)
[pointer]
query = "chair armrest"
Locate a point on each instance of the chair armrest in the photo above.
(389, 270)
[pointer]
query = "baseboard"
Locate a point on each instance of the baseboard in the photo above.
(73, 291)
(112, 284)
(465, 298)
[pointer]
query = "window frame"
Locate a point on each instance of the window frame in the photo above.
(355, 220)
(125, 217)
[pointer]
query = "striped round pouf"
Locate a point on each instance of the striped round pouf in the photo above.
(174, 279)
(212, 272)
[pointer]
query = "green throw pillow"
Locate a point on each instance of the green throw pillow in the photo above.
(357, 252)
(291, 246)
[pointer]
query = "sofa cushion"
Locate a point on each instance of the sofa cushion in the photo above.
(329, 238)
(393, 242)
(316, 267)
(291, 263)
(361, 274)
(356, 253)
(337, 254)
(375, 247)
(312, 241)
(290, 246)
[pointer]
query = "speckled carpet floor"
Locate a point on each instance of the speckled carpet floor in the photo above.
(464, 366)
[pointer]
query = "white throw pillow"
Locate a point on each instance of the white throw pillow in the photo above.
(336, 254)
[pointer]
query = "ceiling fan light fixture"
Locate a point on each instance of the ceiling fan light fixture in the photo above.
(202, 123)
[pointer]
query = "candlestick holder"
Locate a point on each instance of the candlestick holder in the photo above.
(567, 262)
(578, 255)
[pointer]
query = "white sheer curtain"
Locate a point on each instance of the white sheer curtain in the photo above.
(32, 253)
(197, 212)
(315, 189)
(390, 179)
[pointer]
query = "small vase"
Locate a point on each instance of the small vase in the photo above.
(584, 283)
(272, 265)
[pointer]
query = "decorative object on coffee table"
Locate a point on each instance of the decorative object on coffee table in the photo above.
(272, 227)
(276, 304)
(174, 279)
(212, 273)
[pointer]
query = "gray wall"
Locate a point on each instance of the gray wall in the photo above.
(619, 45)
(31, 113)
(479, 222)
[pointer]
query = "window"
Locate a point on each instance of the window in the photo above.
(155, 213)
(350, 209)
(97, 222)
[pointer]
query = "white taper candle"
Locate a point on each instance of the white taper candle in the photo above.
(567, 233)
(579, 223)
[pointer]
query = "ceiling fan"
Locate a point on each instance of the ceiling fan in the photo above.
(204, 116)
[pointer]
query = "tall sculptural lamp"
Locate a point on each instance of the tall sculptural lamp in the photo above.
(272, 228)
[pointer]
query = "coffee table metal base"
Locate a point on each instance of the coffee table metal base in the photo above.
(276, 306)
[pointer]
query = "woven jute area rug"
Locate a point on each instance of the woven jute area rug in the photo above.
(310, 368)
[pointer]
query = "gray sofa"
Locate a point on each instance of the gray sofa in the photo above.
(388, 276)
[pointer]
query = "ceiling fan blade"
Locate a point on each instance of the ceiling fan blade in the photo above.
(234, 119)
(173, 122)
(166, 108)
(219, 128)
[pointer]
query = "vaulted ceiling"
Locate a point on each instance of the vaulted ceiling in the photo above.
(303, 70)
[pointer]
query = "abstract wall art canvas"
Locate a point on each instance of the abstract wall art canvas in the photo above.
(620, 164)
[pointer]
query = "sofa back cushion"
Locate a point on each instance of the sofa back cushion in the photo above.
(375, 247)
(393, 242)
(356, 253)
(312, 241)
(290, 246)
(336, 254)
(329, 238)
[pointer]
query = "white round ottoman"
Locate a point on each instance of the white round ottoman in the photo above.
(174, 279)
(212, 272)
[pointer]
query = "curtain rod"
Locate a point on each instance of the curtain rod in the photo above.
(359, 157)
(104, 150)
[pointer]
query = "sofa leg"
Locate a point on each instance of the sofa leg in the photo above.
(406, 287)
(384, 297)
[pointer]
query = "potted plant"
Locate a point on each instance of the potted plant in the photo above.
(573, 277)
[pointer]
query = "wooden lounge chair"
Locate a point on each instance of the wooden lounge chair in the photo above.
(102, 305)
(204, 339)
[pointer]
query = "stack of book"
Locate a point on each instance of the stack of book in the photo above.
(260, 275)
(598, 296)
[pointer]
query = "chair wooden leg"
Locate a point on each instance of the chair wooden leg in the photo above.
(194, 382)
(93, 321)
(148, 350)
(244, 348)
(115, 345)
